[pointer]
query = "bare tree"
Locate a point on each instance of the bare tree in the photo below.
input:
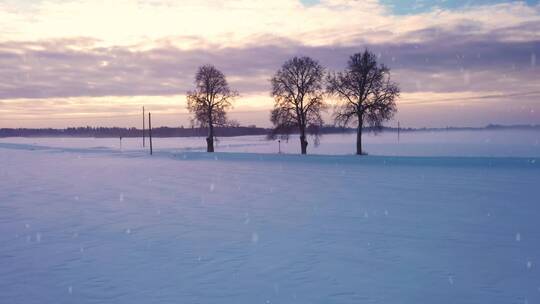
(210, 100)
(298, 92)
(366, 94)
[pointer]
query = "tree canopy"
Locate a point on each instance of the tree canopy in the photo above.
(297, 88)
(210, 100)
(365, 92)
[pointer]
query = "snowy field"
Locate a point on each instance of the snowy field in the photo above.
(454, 143)
(455, 218)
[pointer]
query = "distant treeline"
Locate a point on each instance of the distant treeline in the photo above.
(488, 127)
(131, 132)
(220, 131)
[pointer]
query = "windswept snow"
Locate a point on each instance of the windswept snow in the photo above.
(85, 223)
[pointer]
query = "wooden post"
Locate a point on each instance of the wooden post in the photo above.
(143, 119)
(150, 131)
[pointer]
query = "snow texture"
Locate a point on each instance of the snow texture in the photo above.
(82, 222)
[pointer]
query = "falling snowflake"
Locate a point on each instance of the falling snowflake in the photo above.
(466, 78)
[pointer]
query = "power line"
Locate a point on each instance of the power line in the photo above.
(490, 96)
(414, 102)
(119, 116)
(64, 118)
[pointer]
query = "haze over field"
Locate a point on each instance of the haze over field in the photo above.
(500, 143)
(458, 62)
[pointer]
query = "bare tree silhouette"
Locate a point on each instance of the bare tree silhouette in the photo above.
(297, 88)
(210, 100)
(366, 94)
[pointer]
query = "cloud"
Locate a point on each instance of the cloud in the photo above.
(152, 48)
(444, 61)
(235, 22)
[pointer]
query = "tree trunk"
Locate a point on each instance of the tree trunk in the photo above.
(303, 142)
(359, 137)
(210, 139)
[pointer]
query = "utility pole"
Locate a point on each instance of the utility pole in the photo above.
(143, 118)
(398, 130)
(150, 131)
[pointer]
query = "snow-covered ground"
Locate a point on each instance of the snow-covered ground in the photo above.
(83, 222)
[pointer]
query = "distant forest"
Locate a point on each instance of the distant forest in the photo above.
(220, 131)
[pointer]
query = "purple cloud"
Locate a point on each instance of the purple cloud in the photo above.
(445, 61)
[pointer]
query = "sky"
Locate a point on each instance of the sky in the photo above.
(97, 62)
